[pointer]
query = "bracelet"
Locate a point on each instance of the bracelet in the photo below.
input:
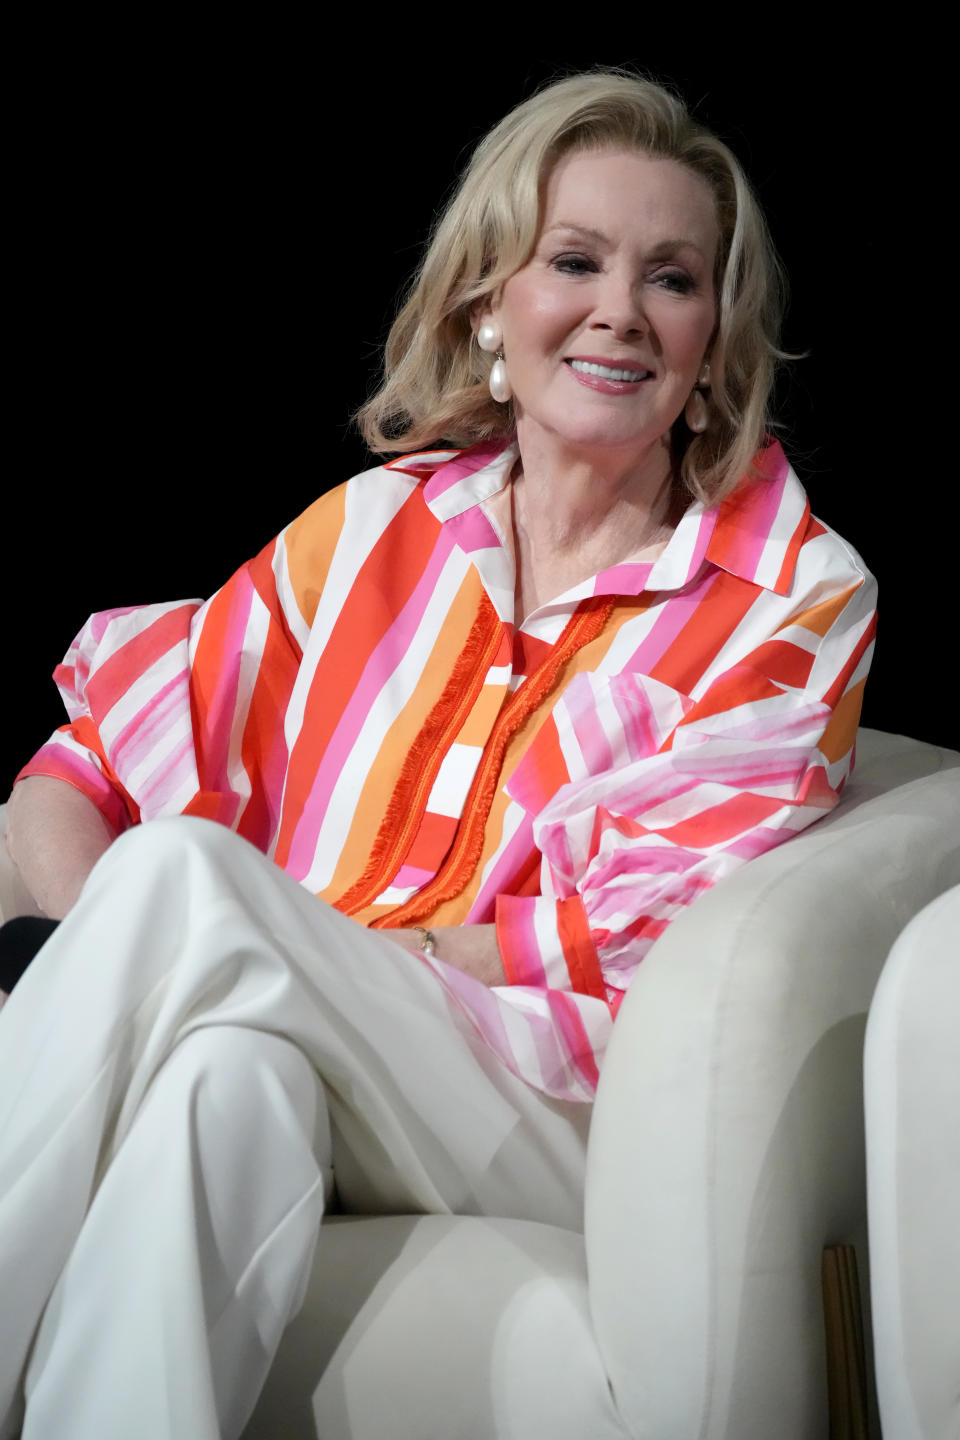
(428, 943)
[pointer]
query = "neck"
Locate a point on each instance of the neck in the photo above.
(576, 514)
(568, 497)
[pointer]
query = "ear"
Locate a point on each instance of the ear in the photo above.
(480, 311)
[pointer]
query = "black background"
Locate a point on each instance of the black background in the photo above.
(212, 230)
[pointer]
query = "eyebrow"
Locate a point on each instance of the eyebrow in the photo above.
(668, 246)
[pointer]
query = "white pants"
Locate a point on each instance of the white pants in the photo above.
(201, 1051)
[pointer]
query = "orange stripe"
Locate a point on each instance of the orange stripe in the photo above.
(585, 624)
(841, 729)
(383, 771)
(389, 574)
(310, 542)
(819, 618)
(421, 767)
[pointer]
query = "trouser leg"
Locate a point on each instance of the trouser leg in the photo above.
(183, 927)
(195, 1250)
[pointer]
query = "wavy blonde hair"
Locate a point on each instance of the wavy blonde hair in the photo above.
(435, 376)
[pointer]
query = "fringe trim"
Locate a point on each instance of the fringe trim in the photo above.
(464, 855)
(408, 803)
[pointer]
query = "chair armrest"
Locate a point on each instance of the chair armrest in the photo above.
(727, 1140)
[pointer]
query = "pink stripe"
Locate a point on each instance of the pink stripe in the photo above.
(596, 751)
(485, 1011)
(516, 932)
(473, 531)
(97, 625)
(377, 672)
(466, 464)
(132, 743)
(59, 761)
(222, 714)
(274, 775)
(743, 545)
(772, 464)
(665, 630)
(164, 781)
(623, 579)
(636, 715)
(411, 876)
(542, 1036)
(567, 1019)
(757, 842)
(511, 860)
(708, 523)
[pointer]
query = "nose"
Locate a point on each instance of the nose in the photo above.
(619, 307)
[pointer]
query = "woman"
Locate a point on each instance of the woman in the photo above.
(506, 707)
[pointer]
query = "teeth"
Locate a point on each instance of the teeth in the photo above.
(607, 372)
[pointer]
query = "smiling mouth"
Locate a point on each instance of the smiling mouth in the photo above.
(609, 372)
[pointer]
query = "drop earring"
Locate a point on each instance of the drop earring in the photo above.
(500, 387)
(695, 411)
(490, 339)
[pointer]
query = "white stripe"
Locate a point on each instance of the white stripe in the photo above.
(454, 778)
(299, 628)
(254, 641)
(395, 693)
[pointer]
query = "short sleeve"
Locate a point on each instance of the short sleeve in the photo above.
(178, 708)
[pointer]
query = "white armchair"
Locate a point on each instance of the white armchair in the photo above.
(912, 1095)
(726, 1151)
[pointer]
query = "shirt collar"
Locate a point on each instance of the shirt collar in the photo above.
(755, 533)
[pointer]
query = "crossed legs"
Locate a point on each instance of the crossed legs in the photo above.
(197, 1055)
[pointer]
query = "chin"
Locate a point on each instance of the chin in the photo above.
(606, 440)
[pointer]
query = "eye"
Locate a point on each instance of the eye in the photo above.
(676, 281)
(571, 263)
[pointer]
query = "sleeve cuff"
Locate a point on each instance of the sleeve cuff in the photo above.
(62, 758)
(548, 943)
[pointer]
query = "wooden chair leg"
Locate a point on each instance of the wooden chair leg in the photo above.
(846, 1359)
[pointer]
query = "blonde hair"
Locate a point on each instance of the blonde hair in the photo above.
(435, 382)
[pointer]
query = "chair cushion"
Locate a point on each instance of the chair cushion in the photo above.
(440, 1327)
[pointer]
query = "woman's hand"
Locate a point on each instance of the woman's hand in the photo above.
(471, 948)
(55, 836)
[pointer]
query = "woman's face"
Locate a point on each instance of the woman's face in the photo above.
(606, 327)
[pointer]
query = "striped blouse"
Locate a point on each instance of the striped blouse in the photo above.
(358, 703)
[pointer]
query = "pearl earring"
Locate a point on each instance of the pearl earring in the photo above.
(500, 387)
(695, 411)
(490, 338)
